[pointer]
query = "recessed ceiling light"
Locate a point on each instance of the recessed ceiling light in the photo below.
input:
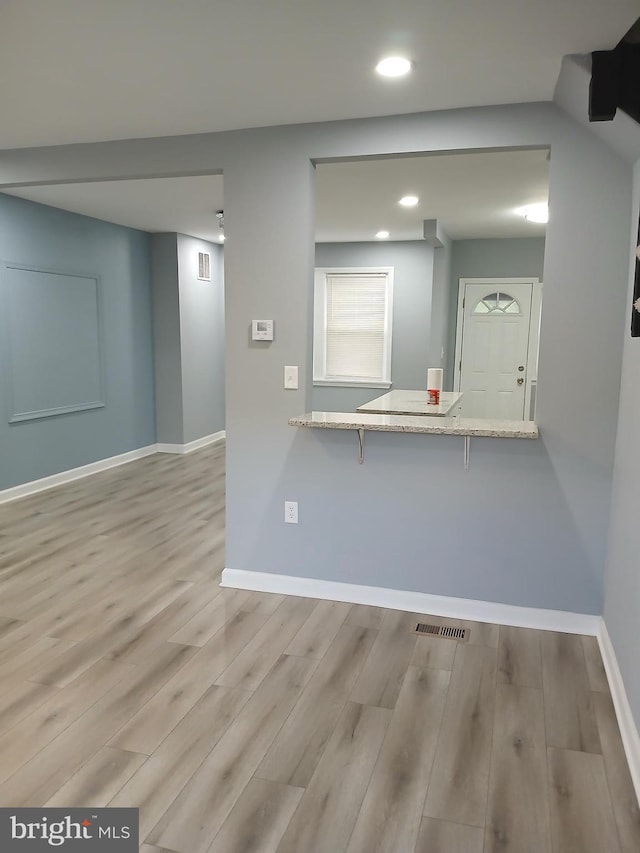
(393, 66)
(535, 212)
(409, 200)
(221, 238)
(382, 235)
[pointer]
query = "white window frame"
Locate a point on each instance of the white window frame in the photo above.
(320, 328)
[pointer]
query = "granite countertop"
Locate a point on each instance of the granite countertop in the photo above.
(411, 403)
(417, 424)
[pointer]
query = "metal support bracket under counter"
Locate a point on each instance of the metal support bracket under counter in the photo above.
(465, 427)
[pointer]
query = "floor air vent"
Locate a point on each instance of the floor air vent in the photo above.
(441, 631)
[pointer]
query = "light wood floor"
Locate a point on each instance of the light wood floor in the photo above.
(242, 722)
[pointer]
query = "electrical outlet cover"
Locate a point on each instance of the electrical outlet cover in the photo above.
(291, 512)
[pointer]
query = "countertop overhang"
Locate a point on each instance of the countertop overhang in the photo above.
(482, 427)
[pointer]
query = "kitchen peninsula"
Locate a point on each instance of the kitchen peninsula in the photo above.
(413, 403)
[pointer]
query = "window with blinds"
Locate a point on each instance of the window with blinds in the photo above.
(352, 327)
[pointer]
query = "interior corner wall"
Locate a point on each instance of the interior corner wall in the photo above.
(167, 341)
(500, 258)
(202, 339)
(42, 237)
(412, 263)
(622, 586)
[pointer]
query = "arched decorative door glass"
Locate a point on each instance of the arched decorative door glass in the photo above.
(497, 303)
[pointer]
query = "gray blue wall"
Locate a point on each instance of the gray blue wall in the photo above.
(202, 334)
(519, 257)
(83, 249)
(412, 263)
(188, 331)
(167, 342)
(410, 517)
(622, 591)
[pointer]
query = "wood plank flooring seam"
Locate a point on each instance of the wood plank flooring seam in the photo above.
(223, 705)
(188, 665)
(548, 788)
(582, 816)
(435, 751)
(491, 738)
(547, 767)
(611, 798)
(193, 812)
(460, 793)
(318, 822)
(392, 807)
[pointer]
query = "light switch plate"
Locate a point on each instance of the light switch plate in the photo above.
(291, 377)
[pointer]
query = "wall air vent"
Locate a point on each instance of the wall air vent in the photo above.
(204, 266)
(444, 631)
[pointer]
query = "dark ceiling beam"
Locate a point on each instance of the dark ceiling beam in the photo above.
(615, 79)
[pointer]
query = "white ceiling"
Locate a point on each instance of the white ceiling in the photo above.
(86, 70)
(471, 195)
(183, 205)
(74, 71)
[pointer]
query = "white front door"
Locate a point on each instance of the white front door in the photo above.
(493, 348)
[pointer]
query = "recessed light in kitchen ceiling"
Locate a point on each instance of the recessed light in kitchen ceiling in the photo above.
(393, 66)
(534, 212)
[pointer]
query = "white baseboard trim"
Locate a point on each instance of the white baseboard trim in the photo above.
(626, 722)
(418, 602)
(192, 445)
(35, 486)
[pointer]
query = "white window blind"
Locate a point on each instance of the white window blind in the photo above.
(352, 342)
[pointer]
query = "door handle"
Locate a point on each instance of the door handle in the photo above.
(520, 380)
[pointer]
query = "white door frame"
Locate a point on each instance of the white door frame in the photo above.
(534, 329)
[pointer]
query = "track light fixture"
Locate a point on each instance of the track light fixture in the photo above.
(220, 218)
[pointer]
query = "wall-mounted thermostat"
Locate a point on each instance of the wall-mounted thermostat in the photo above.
(262, 330)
